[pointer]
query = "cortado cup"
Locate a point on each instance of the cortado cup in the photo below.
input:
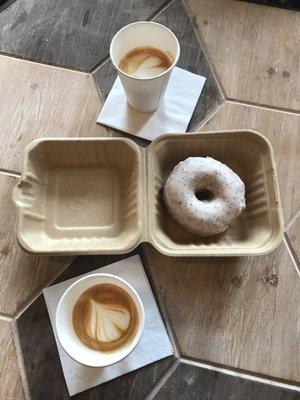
(64, 322)
(144, 93)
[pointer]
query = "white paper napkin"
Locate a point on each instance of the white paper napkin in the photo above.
(154, 343)
(173, 115)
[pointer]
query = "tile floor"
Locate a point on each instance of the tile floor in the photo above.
(235, 321)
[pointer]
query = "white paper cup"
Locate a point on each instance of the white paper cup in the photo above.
(144, 94)
(67, 335)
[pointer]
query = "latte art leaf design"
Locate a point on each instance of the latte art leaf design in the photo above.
(145, 61)
(149, 66)
(107, 323)
(105, 317)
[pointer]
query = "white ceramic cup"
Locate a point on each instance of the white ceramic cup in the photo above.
(144, 94)
(67, 335)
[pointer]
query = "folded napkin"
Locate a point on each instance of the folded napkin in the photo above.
(154, 343)
(172, 116)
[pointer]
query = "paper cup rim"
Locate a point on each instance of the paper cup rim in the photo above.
(136, 338)
(150, 77)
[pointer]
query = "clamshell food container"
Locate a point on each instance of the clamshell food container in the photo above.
(104, 195)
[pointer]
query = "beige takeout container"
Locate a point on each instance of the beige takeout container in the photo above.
(104, 195)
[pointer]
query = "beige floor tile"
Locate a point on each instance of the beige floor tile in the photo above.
(283, 131)
(10, 381)
(293, 232)
(38, 100)
(21, 275)
(238, 312)
(255, 49)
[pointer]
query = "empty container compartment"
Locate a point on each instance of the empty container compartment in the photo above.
(80, 196)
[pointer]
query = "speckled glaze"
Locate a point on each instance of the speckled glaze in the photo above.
(206, 217)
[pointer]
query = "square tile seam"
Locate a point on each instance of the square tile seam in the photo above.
(217, 76)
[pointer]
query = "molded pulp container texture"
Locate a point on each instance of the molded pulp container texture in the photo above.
(104, 195)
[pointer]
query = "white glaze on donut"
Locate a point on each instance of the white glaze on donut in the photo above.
(204, 218)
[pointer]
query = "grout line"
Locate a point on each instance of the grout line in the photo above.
(204, 48)
(209, 116)
(160, 303)
(159, 384)
(99, 64)
(100, 95)
(21, 362)
(292, 219)
(242, 375)
(19, 312)
(292, 252)
(45, 63)
(161, 9)
(28, 303)
(10, 173)
(6, 317)
(260, 105)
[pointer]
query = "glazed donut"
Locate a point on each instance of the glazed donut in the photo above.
(204, 196)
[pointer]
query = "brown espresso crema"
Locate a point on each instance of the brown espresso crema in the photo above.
(145, 62)
(105, 317)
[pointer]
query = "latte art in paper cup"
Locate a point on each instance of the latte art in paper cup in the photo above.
(99, 320)
(144, 53)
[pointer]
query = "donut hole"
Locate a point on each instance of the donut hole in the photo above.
(204, 194)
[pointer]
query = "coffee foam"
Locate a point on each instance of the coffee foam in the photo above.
(105, 317)
(107, 323)
(145, 62)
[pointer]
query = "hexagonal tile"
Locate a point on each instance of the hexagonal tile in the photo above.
(255, 50)
(240, 312)
(70, 33)
(190, 382)
(282, 129)
(41, 357)
(192, 58)
(38, 101)
(293, 233)
(11, 386)
(21, 275)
